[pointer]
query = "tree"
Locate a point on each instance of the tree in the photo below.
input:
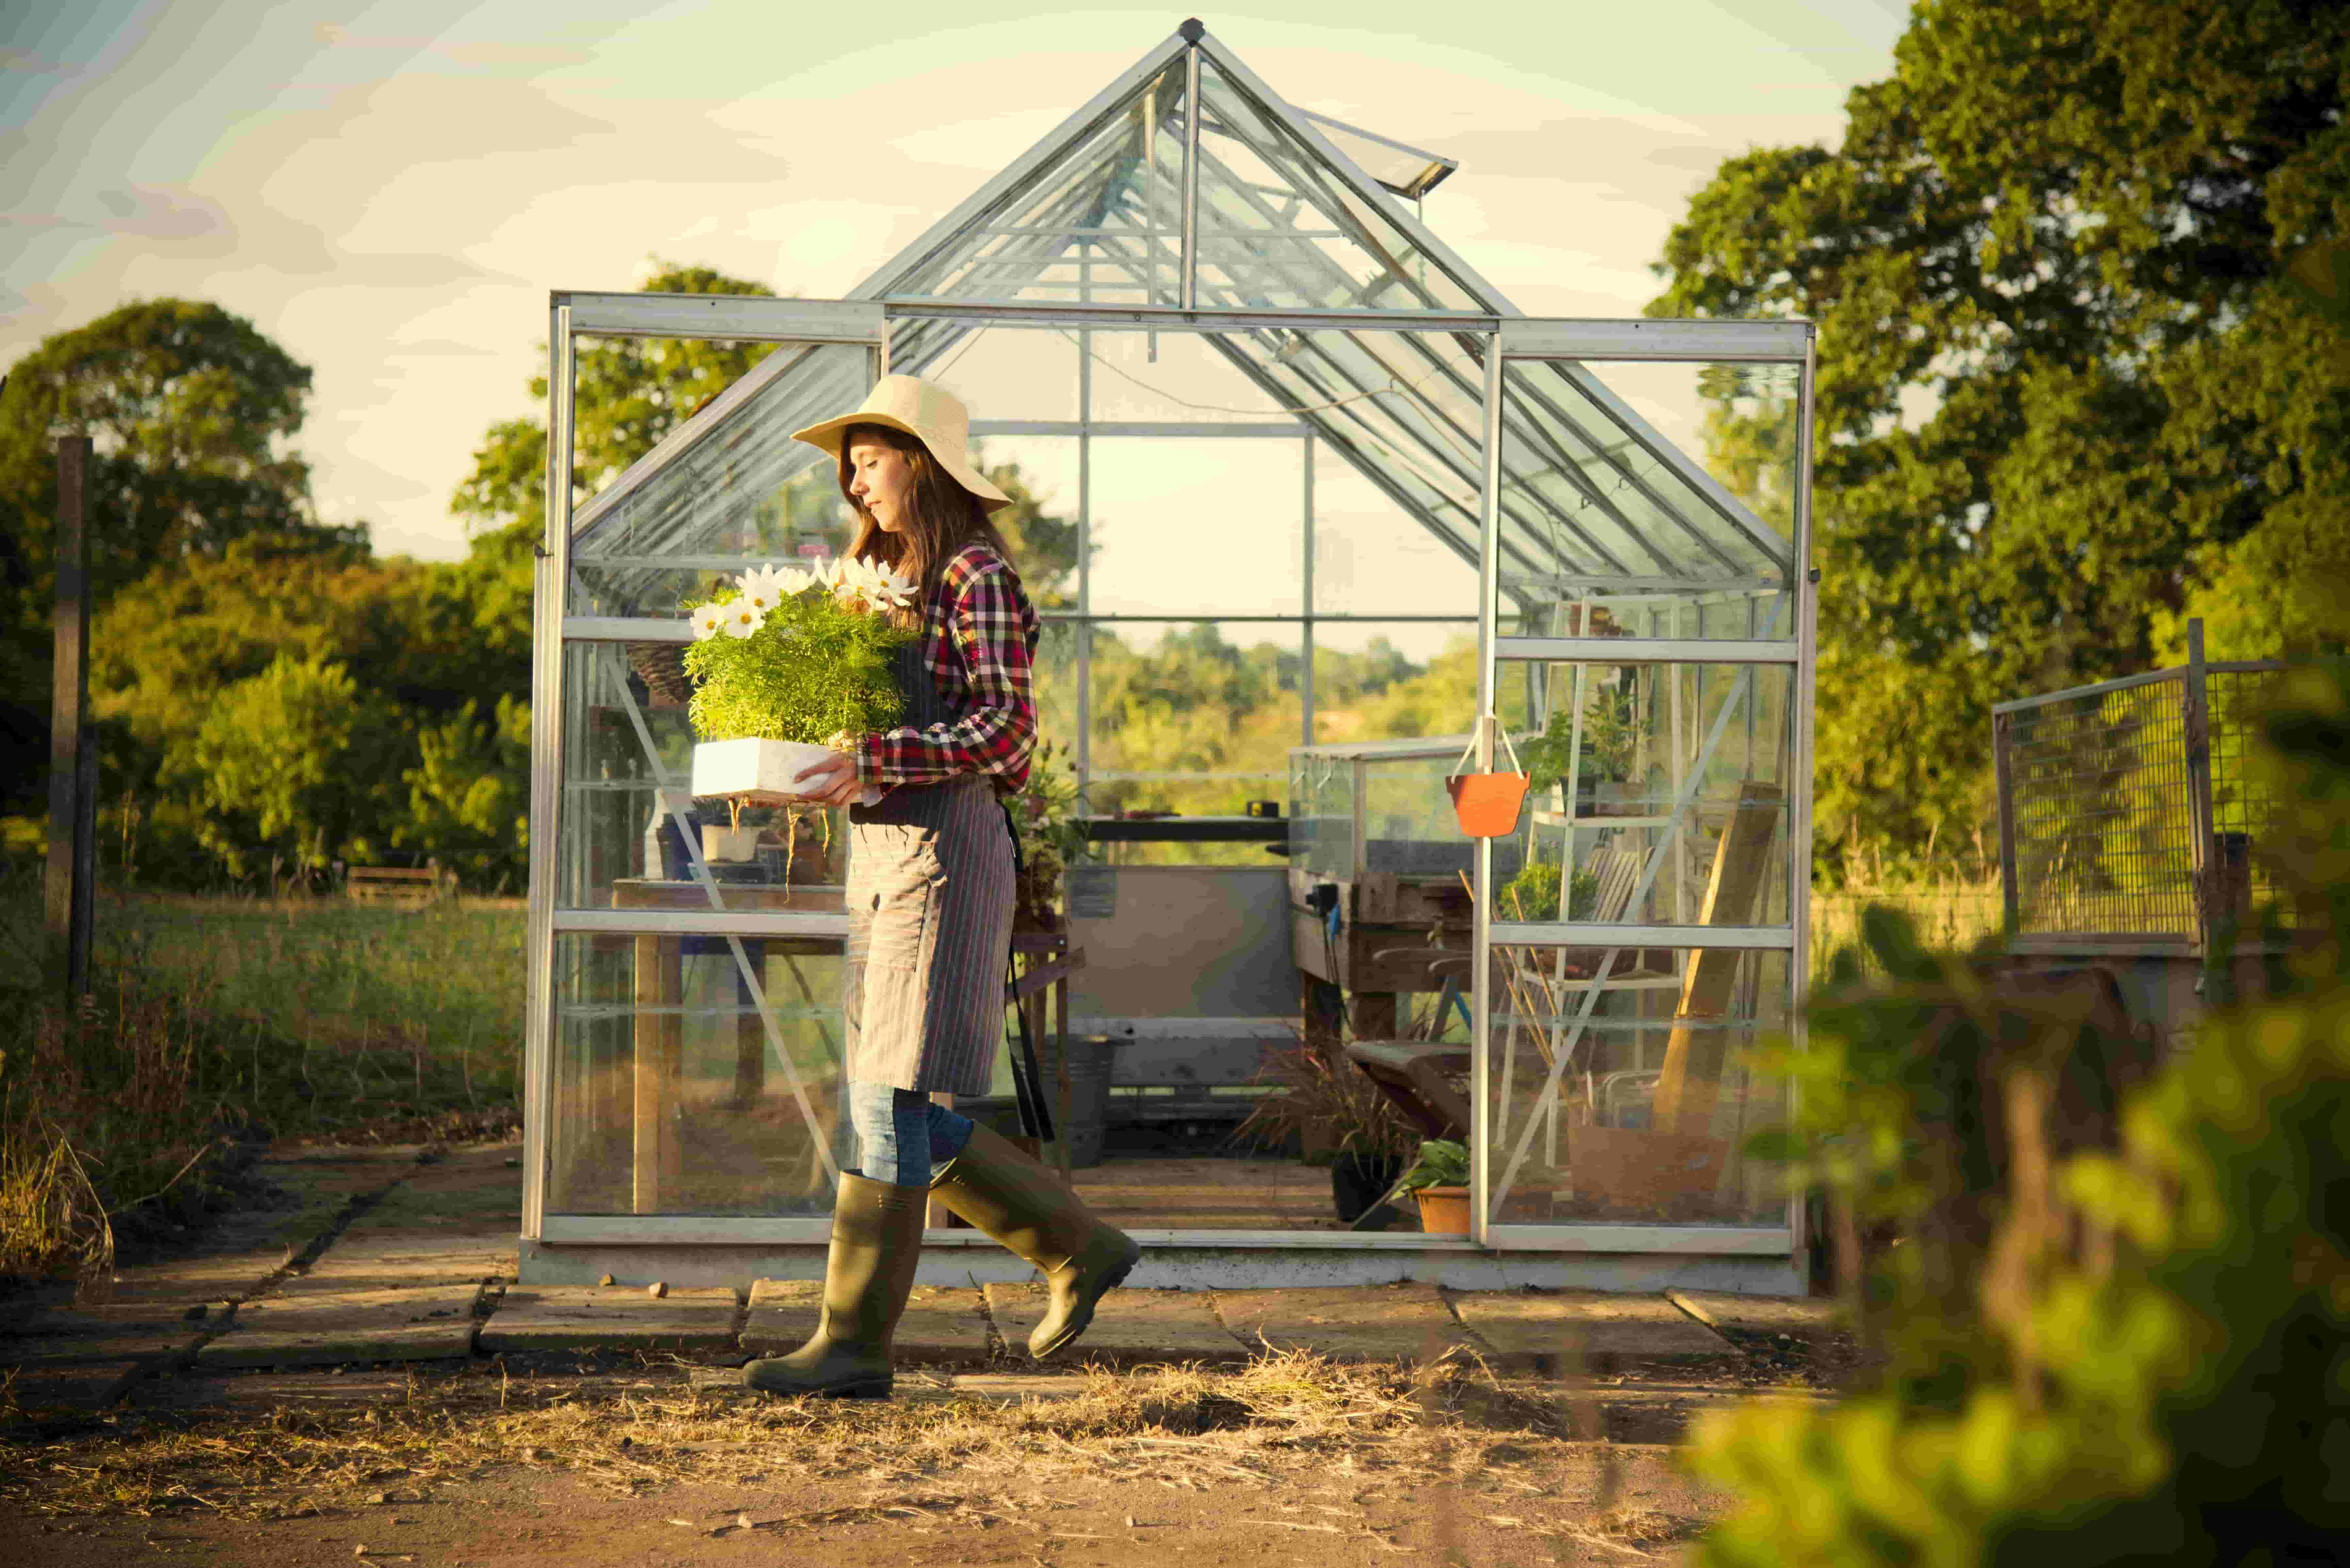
(285, 765)
(192, 413)
(2070, 224)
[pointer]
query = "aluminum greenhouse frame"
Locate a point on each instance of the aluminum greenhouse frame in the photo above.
(1605, 554)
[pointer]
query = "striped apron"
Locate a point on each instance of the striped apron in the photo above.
(930, 921)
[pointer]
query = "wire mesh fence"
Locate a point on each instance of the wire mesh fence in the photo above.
(2125, 809)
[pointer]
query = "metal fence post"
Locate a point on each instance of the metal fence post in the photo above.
(2199, 812)
(2002, 770)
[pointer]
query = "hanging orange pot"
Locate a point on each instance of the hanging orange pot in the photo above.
(1487, 804)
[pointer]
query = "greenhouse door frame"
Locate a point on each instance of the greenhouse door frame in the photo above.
(867, 322)
(1581, 342)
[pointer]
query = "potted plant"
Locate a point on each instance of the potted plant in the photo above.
(1051, 838)
(1438, 1183)
(787, 663)
(1334, 1112)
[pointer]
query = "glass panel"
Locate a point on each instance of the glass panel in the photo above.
(609, 852)
(1402, 409)
(1604, 531)
(1278, 227)
(1658, 793)
(1191, 719)
(1371, 557)
(670, 1096)
(1391, 794)
(1101, 222)
(742, 491)
(1186, 378)
(1383, 681)
(1618, 1089)
(999, 372)
(1183, 524)
(1405, 171)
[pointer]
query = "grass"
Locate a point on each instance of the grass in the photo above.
(211, 1022)
(1953, 909)
(1189, 1429)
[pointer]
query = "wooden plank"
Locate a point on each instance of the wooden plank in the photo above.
(1691, 1080)
(659, 1039)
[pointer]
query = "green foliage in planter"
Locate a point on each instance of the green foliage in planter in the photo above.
(2149, 1365)
(1608, 739)
(816, 669)
(1441, 1163)
(1533, 893)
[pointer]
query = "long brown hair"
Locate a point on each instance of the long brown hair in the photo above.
(943, 516)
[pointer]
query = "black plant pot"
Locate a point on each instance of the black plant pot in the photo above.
(1358, 1180)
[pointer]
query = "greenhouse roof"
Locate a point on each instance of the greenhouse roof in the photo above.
(1251, 208)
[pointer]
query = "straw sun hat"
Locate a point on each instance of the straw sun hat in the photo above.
(931, 415)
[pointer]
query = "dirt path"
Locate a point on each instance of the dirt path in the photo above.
(1535, 1509)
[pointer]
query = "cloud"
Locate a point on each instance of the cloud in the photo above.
(162, 214)
(480, 53)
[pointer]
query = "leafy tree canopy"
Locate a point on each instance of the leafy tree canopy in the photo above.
(2066, 230)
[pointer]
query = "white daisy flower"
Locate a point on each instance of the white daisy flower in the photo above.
(743, 618)
(893, 586)
(761, 588)
(790, 580)
(708, 621)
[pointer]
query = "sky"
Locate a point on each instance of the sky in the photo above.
(390, 191)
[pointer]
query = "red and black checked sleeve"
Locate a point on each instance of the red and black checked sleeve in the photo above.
(985, 660)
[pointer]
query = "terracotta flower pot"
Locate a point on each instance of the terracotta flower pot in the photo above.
(1443, 1210)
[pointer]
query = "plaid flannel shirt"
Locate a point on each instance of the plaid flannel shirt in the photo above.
(979, 642)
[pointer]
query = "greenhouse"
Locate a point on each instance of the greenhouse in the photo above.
(1304, 499)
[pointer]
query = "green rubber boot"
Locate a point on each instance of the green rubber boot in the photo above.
(876, 1239)
(1024, 1206)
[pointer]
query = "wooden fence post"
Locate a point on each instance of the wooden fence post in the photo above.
(69, 881)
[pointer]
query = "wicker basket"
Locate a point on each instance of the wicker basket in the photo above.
(661, 667)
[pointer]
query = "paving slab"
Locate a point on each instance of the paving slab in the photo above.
(783, 1314)
(610, 1317)
(1403, 1322)
(1560, 1330)
(423, 1323)
(385, 1258)
(1130, 1326)
(69, 1336)
(943, 1323)
(1764, 1315)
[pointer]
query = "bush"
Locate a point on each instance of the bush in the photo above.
(2139, 1355)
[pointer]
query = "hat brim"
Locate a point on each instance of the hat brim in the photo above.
(827, 436)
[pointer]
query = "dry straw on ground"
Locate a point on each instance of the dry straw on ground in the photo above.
(1279, 1422)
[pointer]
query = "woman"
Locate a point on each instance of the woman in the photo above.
(929, 907)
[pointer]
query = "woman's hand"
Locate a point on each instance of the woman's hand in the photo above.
(832, 781)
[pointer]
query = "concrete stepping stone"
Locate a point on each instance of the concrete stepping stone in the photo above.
(610, 1317)
(394, 1260)
(1798, 1316)
(1130, 1326)
(1593, 1330)
(1405, 1322)
(941, 1322)
(425, 1324)
(121, 1331)
(783, 1315)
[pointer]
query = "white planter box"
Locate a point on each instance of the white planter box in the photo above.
(773, 767)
